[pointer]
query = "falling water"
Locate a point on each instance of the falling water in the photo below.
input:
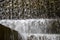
(34, 29)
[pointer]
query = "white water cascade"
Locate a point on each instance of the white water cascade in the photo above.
(33, 29)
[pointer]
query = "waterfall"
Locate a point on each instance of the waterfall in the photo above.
(33, 29)
(33, 19)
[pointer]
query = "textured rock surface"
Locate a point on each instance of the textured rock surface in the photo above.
(25, 9)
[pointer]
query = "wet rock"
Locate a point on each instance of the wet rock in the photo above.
(54, 28)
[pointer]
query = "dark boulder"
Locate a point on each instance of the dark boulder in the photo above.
(1, 0)
(8, 34)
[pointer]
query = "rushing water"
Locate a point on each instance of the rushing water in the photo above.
(34, 29)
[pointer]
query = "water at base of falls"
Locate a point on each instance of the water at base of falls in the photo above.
(40, 37)
(35, 29)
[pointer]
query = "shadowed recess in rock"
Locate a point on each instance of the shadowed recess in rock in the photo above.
(8, 34)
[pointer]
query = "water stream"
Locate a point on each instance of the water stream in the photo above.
(34, 29)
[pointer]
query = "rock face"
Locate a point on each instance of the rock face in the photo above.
(25, 9)
(8, 34)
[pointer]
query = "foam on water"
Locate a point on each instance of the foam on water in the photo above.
(32, 29)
